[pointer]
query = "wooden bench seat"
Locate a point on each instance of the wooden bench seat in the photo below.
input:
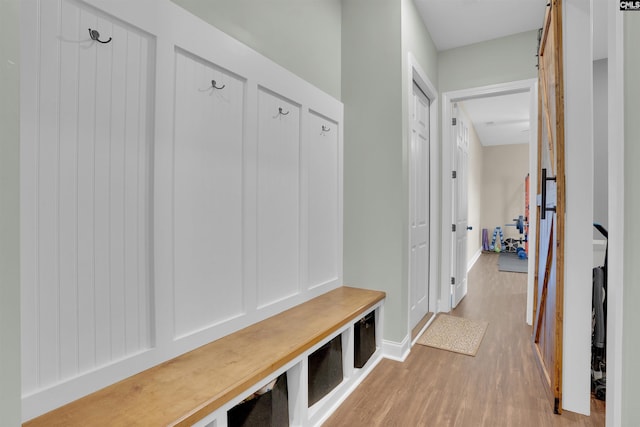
(187, 388)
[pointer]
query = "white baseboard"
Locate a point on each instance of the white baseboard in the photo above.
(474, 258)
(396, 351)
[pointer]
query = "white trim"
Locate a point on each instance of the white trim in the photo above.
(528, 85)
(533, 189)
(397, 351)
(424, 328)
(474, 259)
(578, 232)
(616, 215)
(416, 74)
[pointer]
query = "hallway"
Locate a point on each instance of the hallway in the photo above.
(501, 386)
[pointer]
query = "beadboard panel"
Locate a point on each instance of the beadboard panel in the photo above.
(160, 213)
(323, 204)
(278, 237)
(208, 173)
(85, 196)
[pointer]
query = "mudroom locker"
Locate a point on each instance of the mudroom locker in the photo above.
(176, 186)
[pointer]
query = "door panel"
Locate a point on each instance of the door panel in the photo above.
(460, 200)
(549, 279)
(419, 208)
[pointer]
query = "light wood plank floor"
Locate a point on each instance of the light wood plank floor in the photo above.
(501, 386)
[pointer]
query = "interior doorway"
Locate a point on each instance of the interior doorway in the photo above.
(453, 260)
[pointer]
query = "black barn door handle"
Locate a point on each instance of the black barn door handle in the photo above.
(543, 202)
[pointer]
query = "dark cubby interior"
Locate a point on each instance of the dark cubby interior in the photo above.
(268, 409)
(365, 339)
(325, 369)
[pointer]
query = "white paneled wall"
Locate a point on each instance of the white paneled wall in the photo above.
(85, 195)
(208, 165)
(278, 202)
(323, 207)
(160, 212)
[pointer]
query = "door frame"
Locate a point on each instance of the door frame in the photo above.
(416, 74)
(448, 147)
(615, 270)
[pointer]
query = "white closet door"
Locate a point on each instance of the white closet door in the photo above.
(323, 204)
(278, 199)
(85, 187)
(208, 145)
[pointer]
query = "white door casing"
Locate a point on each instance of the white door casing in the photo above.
(459, 232)
(419, 207)
(448, 154)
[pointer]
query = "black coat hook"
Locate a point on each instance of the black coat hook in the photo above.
(213, 85)
(95, 35)
(325, 128)
(281, 113)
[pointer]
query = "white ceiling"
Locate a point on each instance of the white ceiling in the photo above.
(500, 120)
(455, 23)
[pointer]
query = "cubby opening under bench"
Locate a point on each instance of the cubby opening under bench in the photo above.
(202, 387)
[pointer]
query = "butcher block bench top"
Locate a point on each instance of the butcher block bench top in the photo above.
(183, 390)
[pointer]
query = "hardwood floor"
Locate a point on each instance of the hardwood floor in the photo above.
(500, 386)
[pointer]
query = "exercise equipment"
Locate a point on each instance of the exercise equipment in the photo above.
(497, 232)
(599, 325)
(526, 214)
(520, 246)
(514, 245)
(485, 239)
(522, 225)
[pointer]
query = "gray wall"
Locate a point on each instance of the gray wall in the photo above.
(503, 173)
(631, 288)
(10, 378)
(417, 41)
(502, 60)
(600, 155)
(376, 38)
(373, 158)
(301, 35)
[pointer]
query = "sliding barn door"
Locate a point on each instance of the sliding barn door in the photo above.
(547, 332)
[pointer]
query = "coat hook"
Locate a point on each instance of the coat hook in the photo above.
(95, 35)
(281, 113)
(325, 129)
(213, 85)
